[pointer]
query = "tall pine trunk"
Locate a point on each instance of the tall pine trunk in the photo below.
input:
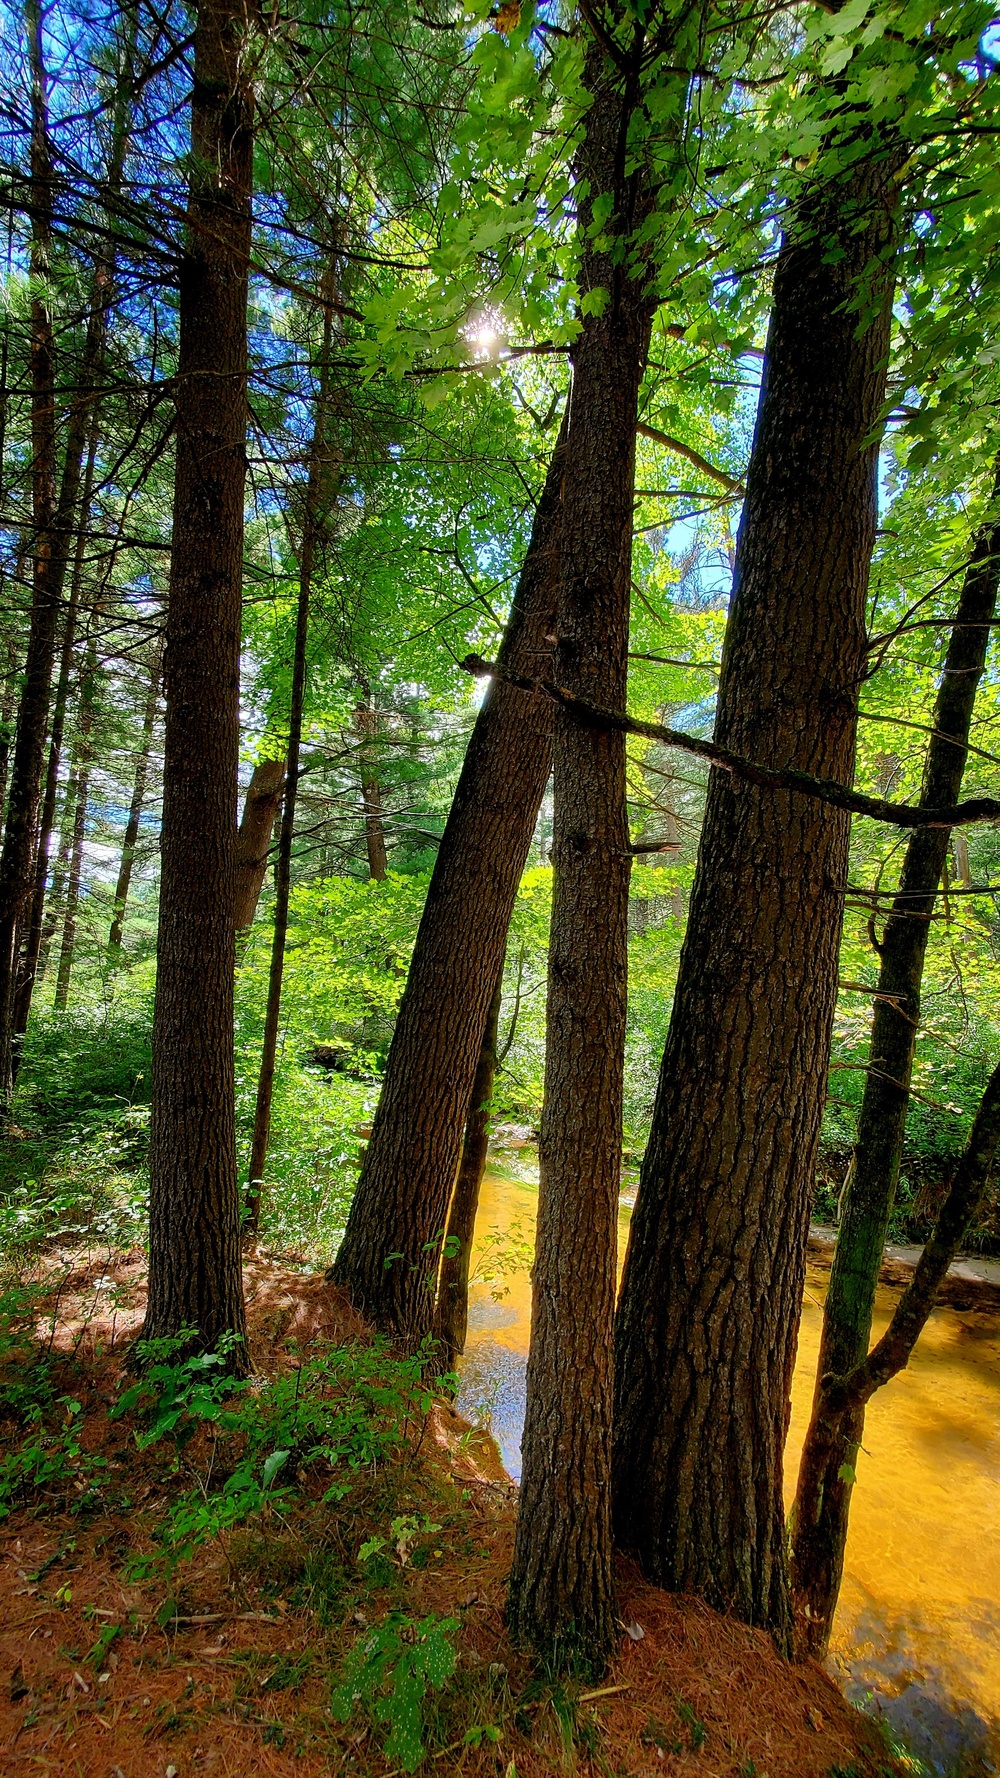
(826, 1475)
(195, 1278)
(401, 1202)
(81, 444)
(28, 962)
(451, 1321)
(561, 1595)
(713, 1277)
(28, 760)
(131, 836)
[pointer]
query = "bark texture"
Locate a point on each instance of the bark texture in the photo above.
(825, 1485)
(402, 1197)
(253, 842)
(451, 1323)
(195, 1277)
(713, 1277)
(561, 1596)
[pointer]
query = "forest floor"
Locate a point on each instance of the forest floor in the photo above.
(120, 1659)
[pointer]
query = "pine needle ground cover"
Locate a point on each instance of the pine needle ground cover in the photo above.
(181, 1593)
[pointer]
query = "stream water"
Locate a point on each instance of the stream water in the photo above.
(917, 1635)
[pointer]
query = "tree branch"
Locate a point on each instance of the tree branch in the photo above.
(854, 802)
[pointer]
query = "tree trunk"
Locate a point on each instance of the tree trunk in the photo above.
(131, 838)
(28, 964)
(716, 1259)
(561, 1595)
(366, 723)
(253, 842)
(317, 490)
(81, 438)
(195, 1278)
(283, 880)
(409, 1169)
(452, 1315)
(84, 756)
(826, 1477)
(29, 746)
(8, 710)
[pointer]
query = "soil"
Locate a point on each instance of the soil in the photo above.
(233, 1674)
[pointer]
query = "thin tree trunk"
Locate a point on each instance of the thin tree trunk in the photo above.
(253, 842)
(452, 1315)
(8, 711)
(28, 964)
(29, 747)
(84, 757)
(311, 523)
(716, 1259)
(195, 1277)
(826, 1476)
(401, 1201)
(131, 838)
(366, 723)
(561, 1594)
(54, 543)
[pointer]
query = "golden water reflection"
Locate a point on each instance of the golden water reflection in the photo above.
(918, 1627)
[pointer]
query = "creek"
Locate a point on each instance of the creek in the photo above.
(917, 1634)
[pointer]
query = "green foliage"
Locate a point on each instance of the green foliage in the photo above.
(389, 1674)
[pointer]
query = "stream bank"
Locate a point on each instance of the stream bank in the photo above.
(917, 1635)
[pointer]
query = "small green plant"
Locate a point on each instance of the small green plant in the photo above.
(389, 1675)
(694, 1725)
(49, 1459)
(179, 1388)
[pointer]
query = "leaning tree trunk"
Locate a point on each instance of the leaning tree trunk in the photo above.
(29, 747)
(826, 1474)
(715, 1266)
(195, 1278)
(131, 837)
(401, 1202)
(451, 1321)
(253, 842)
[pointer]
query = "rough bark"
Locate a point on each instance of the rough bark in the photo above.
(451, 1323)
(29, 747)
(402, 1197)
(253, 842)
(826, 1476)
(713, 1276)
(561, 1596)
(131, 836)
(195, 1278)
